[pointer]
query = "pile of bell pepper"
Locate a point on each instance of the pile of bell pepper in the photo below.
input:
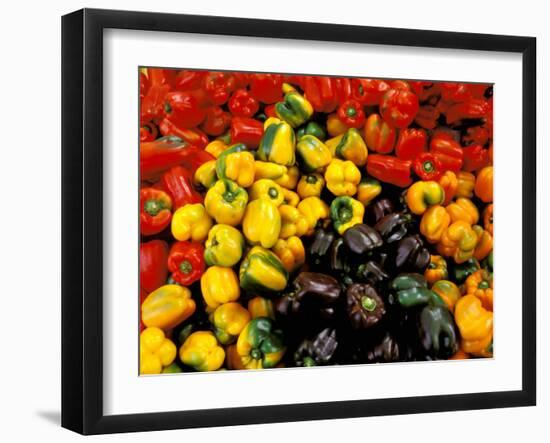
(290, 220)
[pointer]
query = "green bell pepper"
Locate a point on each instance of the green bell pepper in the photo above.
(262, 272)
(295, 109)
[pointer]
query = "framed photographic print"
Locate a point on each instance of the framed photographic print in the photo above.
(296, 216)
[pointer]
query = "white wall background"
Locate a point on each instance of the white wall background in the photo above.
(30, 218)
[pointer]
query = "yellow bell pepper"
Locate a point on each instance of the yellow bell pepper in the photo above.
(436, 270)
(342, 177)
(448, 291)
(289, 180)
(260, 345)
(268, 189)
(484, 243)
(346, 212)
(155, 351)
(335, 126)
(475, 324)
(434, 222)
(236, 164)
(458, 241)
(291, 252)
(313, 154)
(480, 284)
(368, 189)
(261, 307)
(216, 147)
(293, 222)
(278, 144)
(449, 183)
(229, 320)
(349, 146)
(465, 185)
(232, 358)
(167, 306)
(270, 170)
(484, 184)
(262, 223)
(205, 175)
(219, 285)
(226, 202)
(463, 209)
(290, 197)
(295, 109)
(311, 185)
(224, 246)
(262, 272)
(314, 210)
(202, 352)
(423, 194)
(191, 222)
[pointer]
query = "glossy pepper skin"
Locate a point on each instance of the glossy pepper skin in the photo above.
(186, 262)
(278, 144)
(484, 184)
(291, 252)
(310, 185)
(475, 324)
(260, 345)
(248, 131)
(205, 175)
(153, 256)
(411, 143)
(269, 170)
(290, 197)
(262, 223)
(449, 182)
(313, 155)
(224, 246)
(461, 271)
(218, 86)
(314, 209)
(294, 109)
(191, 222)
(219, 285)
(365, 307)
(261, 307)
(458, 241)
(335, 126)
(319, 351)
(438, 332)
(434, 223)
(379, 135)
(167, 307)
(155, 351)
(411, 290)
(349, 146)
(312, 128)
(243, 104)
(466, 183)
(155, 211)
(309, 290)
(427, 167)
(178, 181)
(202, 352)
(266, 88)
(393, 227)
(318, 251)
(389, 169)
(372, 273)
(488, 218)
(290, 178)
(351, 113)
(266, 189)
(399, 107)
(192, 137)
(424, 194)
(262, 272)
(216, 121)
(342, 177)
(184, 108)
(236, 164)
(368, 189)
(463, 209)
(361, 239)
(475, 157)
(321, 92)
(346, 212)
(447, 151)
(368, 91)
(411, 254)
(229, 320)
(448, 291)
(293, 222)
(226, 202)
(216, 147)
(480, 284)
(436, 270)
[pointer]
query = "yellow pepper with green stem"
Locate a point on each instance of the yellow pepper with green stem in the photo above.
(224, 246)
(346, 212)
(202, 352)
(268, 189)
(226, 202)
(205, 175)
(262, 272)
(349, 146)
(260, 345)
(424, 194)
(312, 154)
(229, 320)
(311, 185)
(236, 164)
(278, 144)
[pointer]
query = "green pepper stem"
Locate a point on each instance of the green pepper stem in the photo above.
(186, 267)
(368, 303)
(272, 192)
(308, 361)
(256, 354)
(153, 207)
(345, 214)
(311, 179)
(428, 166)
(484, 284)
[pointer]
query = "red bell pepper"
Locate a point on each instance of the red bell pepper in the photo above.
(189, 80)
(399, 107)
(216, 121)
(402, 85)
(321, 93)
(148, 132)
(427, 166)
(266, 88)
(351, 114)
(447, 150)
(427, 116)
(411, 143)
(476, 135)
(144, 85)
(368, 91)
(343, 89)
(218, 87)
(475, 157)
(155, 210)
(186, 262)
(178, 182)
(242, 79)
(473, 108)
(390, 169)
(242, 104)
(157, 156)
(153, 270)
(192, 136)
(269, 111)
(152, 105)
(159, 76)
(379, 136)
(185, 108)
(246, 130)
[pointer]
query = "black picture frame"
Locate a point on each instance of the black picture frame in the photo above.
(82, 217)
